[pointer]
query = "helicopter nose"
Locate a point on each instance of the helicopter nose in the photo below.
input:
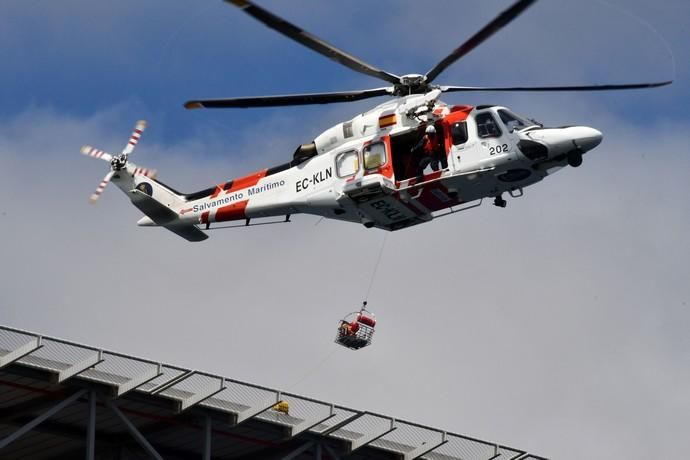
(586, 138)
(560, 141)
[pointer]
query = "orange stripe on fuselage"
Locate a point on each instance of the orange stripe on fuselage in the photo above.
(246, 181)
(237, 184)
(216, 192)
(233, 211)
(461, 108)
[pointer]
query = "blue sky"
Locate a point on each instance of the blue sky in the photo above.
(83, 57)
(557, 325)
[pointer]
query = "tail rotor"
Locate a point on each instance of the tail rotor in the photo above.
(97, 194)
(134, 138)
(119, 162)
(139, 171)
(95, 153)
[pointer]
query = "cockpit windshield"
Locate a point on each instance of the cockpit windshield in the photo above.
(515, 122)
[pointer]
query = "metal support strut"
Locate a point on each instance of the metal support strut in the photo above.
(40, 419)
(91, 428)
(208, 432)
(136, 434)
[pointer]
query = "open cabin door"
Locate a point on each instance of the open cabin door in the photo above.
(374, 188)
(411, 161)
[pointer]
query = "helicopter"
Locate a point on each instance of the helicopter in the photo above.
(406, 161)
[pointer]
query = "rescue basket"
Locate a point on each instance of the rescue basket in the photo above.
(356, 330)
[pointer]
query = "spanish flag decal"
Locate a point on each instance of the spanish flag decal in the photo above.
(387, 120)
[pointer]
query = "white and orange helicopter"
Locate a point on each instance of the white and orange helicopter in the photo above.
(402, 163)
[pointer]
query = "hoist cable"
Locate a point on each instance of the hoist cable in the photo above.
(313, 370)
(376, 266)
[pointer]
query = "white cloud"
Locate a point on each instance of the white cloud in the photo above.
(550, 325)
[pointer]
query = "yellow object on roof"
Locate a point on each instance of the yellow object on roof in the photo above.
(282, 406)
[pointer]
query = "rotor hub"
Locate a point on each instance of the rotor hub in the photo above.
(412, 83)
(412, 79)
(118, 162)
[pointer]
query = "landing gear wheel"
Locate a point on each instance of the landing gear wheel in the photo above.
(500, 202)
(574, 158)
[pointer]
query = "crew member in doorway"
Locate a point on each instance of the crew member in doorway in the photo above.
(428, 151)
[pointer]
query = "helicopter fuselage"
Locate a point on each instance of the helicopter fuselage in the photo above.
(366, 170)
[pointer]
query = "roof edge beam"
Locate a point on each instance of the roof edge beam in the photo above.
(256, 410)
(425, 448)
(345, 422)
(201, 396)
(170, 382)
(358, 443)
(309, 424)
(81, 366)
(139, 380)
(22, 351)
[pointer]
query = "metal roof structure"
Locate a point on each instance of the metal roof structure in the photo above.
(60, 399)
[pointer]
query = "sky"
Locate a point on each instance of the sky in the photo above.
(556, 325)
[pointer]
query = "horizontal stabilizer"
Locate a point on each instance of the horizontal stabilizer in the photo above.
(165, 217)
(188, 232)
(158, 212)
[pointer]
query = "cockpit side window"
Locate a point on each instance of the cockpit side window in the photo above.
(486, 125)
(513, 121)
(458, 132)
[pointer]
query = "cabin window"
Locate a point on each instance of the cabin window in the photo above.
(374, 155)
(347, 163)
(486, 125)
(458, 132)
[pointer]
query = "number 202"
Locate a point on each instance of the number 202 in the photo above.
(494, 149)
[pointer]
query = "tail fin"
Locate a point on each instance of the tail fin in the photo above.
(154, 199)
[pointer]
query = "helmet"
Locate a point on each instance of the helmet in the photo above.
(430, 129)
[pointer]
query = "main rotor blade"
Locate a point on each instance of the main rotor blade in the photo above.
(453, 89)
(491, 28)
(310, 41)
(290, 99)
